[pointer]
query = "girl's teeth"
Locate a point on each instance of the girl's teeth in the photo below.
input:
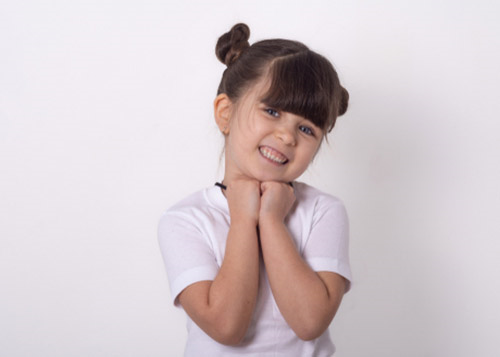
(268, 154)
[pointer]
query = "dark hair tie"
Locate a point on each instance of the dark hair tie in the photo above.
(221, 185)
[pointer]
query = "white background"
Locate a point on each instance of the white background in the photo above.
(106, 120)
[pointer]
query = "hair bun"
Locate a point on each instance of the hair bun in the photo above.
(344, 100)
(230, 45)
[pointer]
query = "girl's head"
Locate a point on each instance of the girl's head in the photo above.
(276, 102)
(302, 82)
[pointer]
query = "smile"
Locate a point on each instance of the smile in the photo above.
(273, 155)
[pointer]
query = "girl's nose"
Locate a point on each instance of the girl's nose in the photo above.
(286, 135)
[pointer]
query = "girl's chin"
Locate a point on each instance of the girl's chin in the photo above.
(268, 178)
(263, 176)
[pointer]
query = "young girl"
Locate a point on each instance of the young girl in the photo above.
(259, 262)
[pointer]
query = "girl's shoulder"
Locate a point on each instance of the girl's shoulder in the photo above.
(307, 194)
(193, 199)
(204, 200)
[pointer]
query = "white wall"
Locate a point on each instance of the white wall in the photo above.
(105, 121)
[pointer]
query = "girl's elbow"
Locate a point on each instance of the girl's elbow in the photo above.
(229, 336)
(313, 325)
(230, 340)
(311, 329)
(230, 333)
(309, 334)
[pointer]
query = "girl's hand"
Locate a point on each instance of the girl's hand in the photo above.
(276, 201)
(243, 198)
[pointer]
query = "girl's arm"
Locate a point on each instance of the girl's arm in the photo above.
(308, 300)
(223, 307)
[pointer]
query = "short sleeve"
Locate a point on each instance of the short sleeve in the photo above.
(187, 253)
(327, 247)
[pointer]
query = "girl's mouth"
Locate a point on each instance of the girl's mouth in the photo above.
(273, 155)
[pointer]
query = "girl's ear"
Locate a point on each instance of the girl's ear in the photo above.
(222, 112)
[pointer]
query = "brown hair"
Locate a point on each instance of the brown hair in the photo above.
(302, 81)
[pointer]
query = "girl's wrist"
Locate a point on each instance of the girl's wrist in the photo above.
(271, 220)
(244, 221)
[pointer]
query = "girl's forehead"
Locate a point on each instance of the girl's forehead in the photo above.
(261, 85)
(257, 90)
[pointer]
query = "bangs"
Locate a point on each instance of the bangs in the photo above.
(304, 84)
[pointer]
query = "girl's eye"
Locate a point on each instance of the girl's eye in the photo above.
(272, 112)
(306, 130)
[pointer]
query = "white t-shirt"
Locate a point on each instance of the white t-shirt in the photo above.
(192, 236)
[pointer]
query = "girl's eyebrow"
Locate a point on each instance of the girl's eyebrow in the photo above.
(263, 102)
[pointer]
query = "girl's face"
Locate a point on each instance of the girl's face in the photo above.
(262, 143)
